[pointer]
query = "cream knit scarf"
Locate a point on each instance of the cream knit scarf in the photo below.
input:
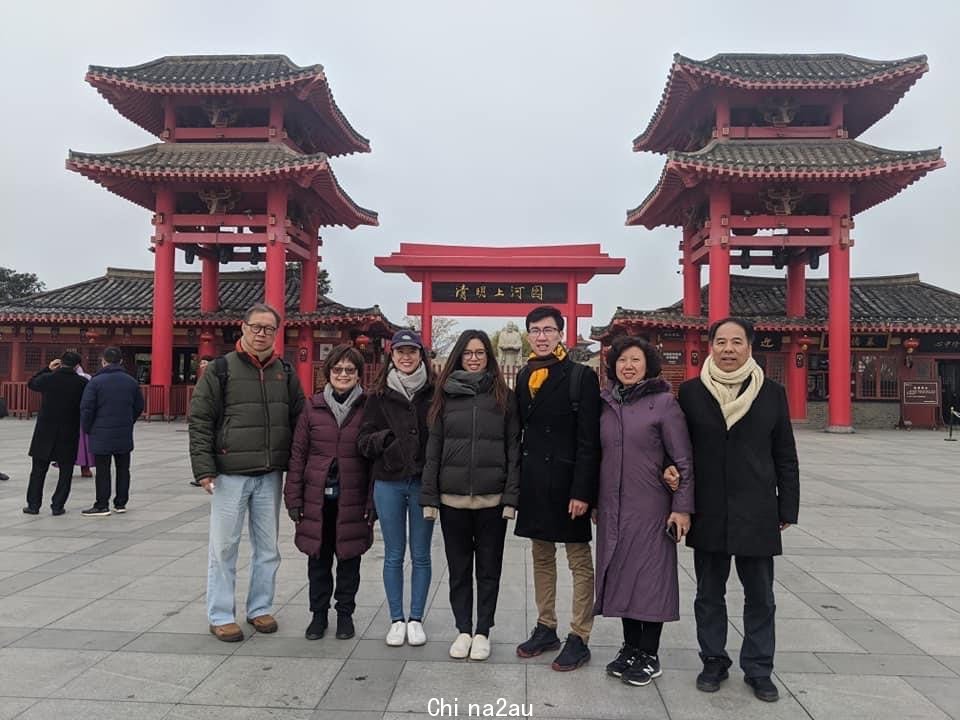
(725, 386)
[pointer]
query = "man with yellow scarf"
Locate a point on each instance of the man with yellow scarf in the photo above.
(559, 410)
(747, 493)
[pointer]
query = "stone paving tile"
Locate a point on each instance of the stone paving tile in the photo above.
(860, 697)
(907, 566)
(112, 614)
(421, 681)
(810, 636)
(830, 564)
(88, 710)
(734, 699)
(9, 635)
(21, 560)
(934, 638)
(11, 707)
(363, 685)
(24, 611)
(905, 665)
(875, 637)
(900, 607)
(53, 544)
(945, 585)
(11, 541)
(181, 643)
(33, 672)
(864, 583)
(199, 712)
(942, 692)
(267, 682)
(594, 695)
(76, 639)
(832, 606)
(155, 587)
(75, 584)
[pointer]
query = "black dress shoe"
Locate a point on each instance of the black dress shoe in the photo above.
(57, 511)
(317, 627)
(763, 688)
(345, 629)
(714, 673)
(31, 511)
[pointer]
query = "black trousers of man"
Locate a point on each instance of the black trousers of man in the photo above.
(469, 534)
(759, 608)
(38, 475)
(104, 481)
(320, 570)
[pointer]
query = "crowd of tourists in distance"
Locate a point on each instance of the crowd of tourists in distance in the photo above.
(715, 466)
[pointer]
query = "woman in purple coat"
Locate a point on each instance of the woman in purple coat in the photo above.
(327, 492)
(642, 431)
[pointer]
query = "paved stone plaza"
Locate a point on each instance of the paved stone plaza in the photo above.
(104, 617)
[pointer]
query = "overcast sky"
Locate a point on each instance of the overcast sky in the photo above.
(505, 122)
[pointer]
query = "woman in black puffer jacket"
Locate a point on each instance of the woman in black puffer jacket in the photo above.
(471, 480)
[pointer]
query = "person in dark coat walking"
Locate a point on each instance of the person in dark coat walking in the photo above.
(56, 435)
(747, 493)
(559, 408)
(393, 438)
(642, 430)
(471, 480)
(111, 404)
(327, 492)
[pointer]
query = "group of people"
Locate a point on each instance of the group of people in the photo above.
(556, 454)
(83, 421)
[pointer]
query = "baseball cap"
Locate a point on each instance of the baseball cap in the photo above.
(406, 337)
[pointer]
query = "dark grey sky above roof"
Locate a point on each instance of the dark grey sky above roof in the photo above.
(494, 123)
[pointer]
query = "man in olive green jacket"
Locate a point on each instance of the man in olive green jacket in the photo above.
(242, 417)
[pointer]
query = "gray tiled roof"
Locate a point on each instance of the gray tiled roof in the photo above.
(209, 69)
(127, 296)
(897, 300)
(204, 158)
(815, 68)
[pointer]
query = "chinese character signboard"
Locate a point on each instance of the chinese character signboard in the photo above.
(493, 292)
(672, 357)
(863, 342)
(946, 344)
(767, 342)
(921, 393)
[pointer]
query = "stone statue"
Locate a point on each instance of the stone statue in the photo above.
(509, 346)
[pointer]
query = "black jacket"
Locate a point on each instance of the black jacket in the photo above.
(473, 449)
(56, 435)
(393, 435)
(748, 478)
(560, 455)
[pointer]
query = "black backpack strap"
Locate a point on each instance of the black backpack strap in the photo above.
(222, 371)
(576, 379)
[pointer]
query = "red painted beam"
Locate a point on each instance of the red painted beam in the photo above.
(584, 310)
(220, 219)
(768, 222)
(214, 134)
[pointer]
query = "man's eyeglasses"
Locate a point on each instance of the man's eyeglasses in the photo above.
(546, 332)
(478, 354)
(348, 371)
(267, 330)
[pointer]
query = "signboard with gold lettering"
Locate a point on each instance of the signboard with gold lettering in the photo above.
(862, 342)
(767, 342)
(494, 292)
(941, 343)
(921, 393)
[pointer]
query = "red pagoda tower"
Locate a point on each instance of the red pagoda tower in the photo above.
(762, 165)
(242, 174)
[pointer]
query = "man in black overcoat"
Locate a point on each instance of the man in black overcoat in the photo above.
(56, 435)
(748, 492)
(559, 410)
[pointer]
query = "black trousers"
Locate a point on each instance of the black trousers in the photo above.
(470, 535)
(38, 475)
(320, 570)
(104, 482)
(759, 608)
(642, 634)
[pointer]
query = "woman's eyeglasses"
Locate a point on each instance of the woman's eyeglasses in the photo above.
(470, 354)
(348, 371)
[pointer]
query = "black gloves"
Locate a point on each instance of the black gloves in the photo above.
(296, 514)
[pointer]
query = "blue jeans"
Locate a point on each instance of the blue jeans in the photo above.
(233, 497)
(395, 501)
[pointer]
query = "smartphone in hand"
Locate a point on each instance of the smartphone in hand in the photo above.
(672, 532)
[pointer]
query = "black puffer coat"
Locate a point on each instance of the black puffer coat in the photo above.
(473, 449)
(317, 442)
(393, 436)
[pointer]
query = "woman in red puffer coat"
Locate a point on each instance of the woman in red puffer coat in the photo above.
(328, 494)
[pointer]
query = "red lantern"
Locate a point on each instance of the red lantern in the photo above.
(911, 344)
(362, 341)
(806, 341)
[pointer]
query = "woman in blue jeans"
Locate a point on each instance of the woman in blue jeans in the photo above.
(393, 437)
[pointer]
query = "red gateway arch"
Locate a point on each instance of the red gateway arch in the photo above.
(465, 281)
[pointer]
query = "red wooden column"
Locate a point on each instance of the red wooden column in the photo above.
(16, 360)
(161, 358)
(426, 312)
(796, 374)
(308, 304)
(209, 301)
(275, 280)
(839, 407)
(719, 242)
(691, 305)
(571, 341)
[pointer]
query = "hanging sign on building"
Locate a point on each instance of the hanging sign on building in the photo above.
(921, 393)
(939, 343)
(767, 342)
(672, 357)
(862, 342)
(494, 292)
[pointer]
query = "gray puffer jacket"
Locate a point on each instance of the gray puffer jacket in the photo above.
(473, 448)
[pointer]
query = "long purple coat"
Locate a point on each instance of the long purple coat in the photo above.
(636, 561)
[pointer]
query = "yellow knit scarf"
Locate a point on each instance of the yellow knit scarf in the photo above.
(539, 377)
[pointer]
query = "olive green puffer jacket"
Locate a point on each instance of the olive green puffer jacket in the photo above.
(249, 431)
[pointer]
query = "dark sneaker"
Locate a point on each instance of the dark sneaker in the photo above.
(763, 688)
(624, 660)
(95, 511)
(574, 654)
(317, 627)
(714, 673)
(345, 629)
(57, 511)
(119, 508)
(542, 639)
(31, 511)
(645, 668)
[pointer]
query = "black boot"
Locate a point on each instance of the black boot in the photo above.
(714, 673)
(574, 654)
(541, 640)
(317, 627)
(345, 629)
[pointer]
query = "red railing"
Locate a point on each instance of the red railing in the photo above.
(180, 396)
(154, 404)
(21, 401)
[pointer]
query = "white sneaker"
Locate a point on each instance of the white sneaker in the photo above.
(461, 646)
(415, 634)
(397, 634)
(480, 650)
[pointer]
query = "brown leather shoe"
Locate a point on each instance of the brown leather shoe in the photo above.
(230, 632)
(263, 623)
